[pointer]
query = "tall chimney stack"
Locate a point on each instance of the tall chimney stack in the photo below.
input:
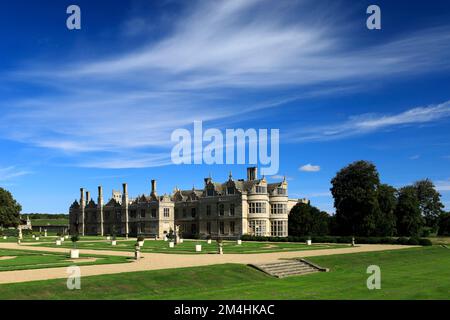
(153, 186)
(81, 195)
(252, 173)
(82, 207)
(88, 196)
(100, 209)
(125, 208)
(100, 195)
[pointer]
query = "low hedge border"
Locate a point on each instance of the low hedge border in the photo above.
(335, 239)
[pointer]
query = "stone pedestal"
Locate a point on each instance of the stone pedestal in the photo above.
(74, 254)
(239, 242)
(137, 252)
(198, 247)
(171, 244)
(220, 249)
(58, 242)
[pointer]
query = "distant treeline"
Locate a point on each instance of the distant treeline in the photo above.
(34, 216)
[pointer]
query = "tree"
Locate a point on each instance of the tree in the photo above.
(409, 218)
(429, 202)
(387, 201)
(444, 224)
(9, 209)
(307, 220)
(354, 189)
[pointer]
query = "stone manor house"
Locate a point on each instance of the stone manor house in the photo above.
(228, 210)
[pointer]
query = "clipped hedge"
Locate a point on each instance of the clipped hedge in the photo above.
(339, 239)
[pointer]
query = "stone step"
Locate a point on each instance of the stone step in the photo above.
(287, 263)
(296, 269)
(289, 268)
(293, 273)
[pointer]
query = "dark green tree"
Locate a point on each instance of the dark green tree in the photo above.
(307, 220)
(386, 220)
(429, 202)
(444, 224)
(354, 189)
(9, 209)
(409, 219)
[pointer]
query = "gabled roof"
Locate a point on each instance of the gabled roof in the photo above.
(113, 203)
(75, 205)
(92, 204)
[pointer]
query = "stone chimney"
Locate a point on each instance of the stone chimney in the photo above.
(100, 209)
(88, 196)
(153, 187)
(81, 196)
(252, 173)
(100, 195)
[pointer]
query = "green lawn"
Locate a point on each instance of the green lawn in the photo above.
(23, 259)
(49, 222)
(418, 273)
(51, 239)
(188, 246)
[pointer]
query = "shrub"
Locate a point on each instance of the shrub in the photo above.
(413, 241)
(425, 242)
(141, 238)
(343, 239)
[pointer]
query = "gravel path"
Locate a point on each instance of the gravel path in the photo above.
(155, 261)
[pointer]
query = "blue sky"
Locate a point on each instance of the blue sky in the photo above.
(98, 105)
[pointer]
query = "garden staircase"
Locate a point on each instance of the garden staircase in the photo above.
(289, 268)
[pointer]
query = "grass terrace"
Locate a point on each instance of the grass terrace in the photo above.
(417, 273)
(188, 246)
(22, 259)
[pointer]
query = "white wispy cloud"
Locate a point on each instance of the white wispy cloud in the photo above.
(368, 123)
(125, 105)
(309, 168)
(279, 177)
(414, 157)
(442, 185)
(9, 173)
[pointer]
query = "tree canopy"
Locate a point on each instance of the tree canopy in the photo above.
(354, 189)
(429, 203)
(409, 219)
(307, 220)
(444, 224)
(386, 220)
(9, 209)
